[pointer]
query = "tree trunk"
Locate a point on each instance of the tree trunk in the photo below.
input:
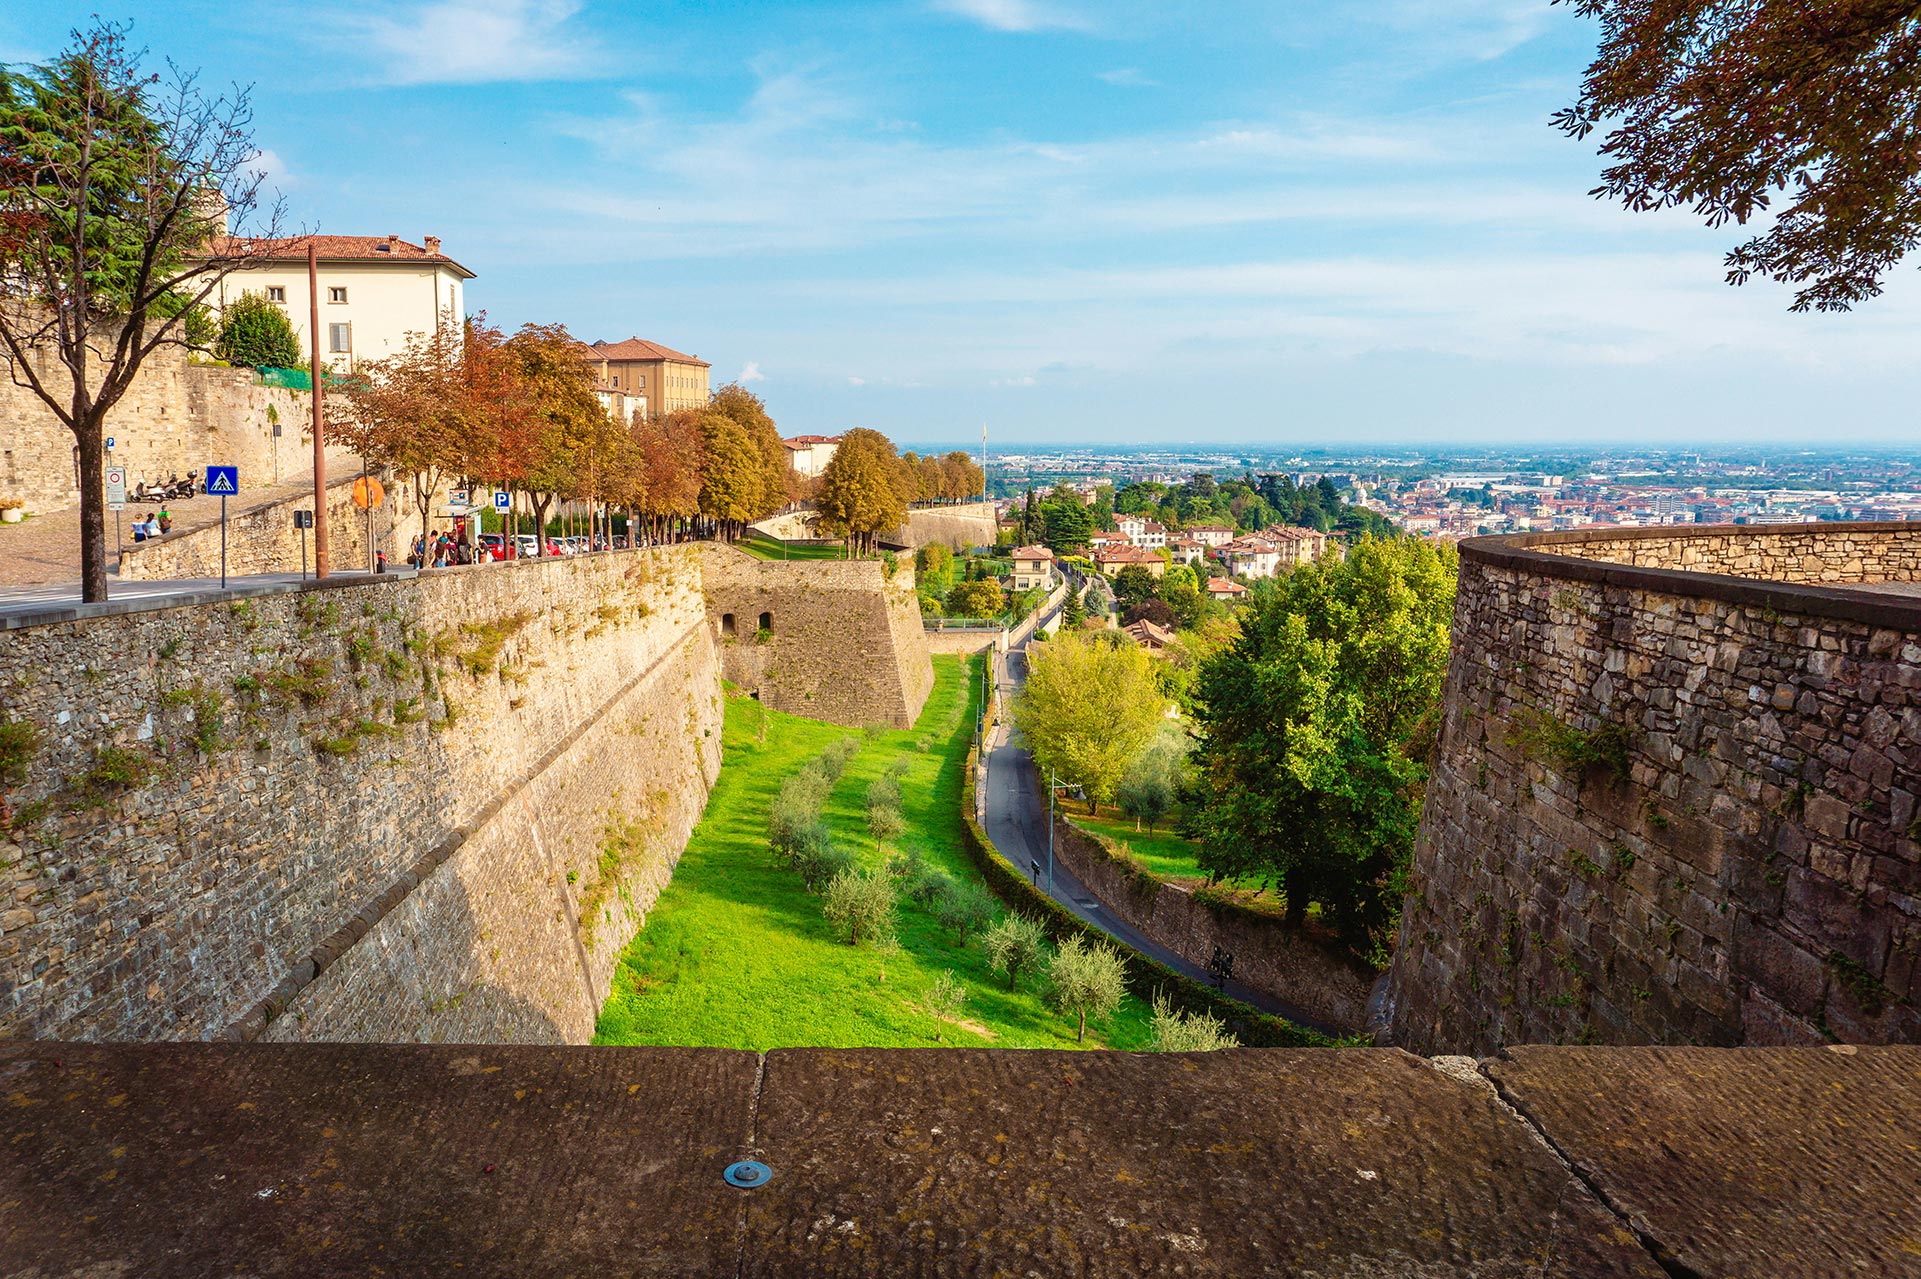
(1080, 1036)
(93, 508)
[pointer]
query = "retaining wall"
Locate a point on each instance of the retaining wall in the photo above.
(1671, 806)
(431, 809)
(176, 417)
(1298, 969)
(958, 526)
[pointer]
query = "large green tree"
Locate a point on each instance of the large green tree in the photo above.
(1314, 728)
(1088, 707)
(1730, 106)
(118, 192)
(256, 334)
(863, 490)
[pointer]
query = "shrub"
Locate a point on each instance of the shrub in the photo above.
(1193, 1032)
(1085, 981)
(116, 768)
(964, 908)
(884, 792)
(834, 759)
(256, 333)
(884, 822)
(944, 1000)
(860, 903)
(816, 858)
(1015, 945)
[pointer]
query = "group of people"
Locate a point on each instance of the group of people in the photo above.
(444, 550)
(152, 525)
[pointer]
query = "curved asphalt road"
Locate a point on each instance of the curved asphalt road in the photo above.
(1016, 821)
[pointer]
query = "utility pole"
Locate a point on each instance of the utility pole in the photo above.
(321, 562)
(1051, 784)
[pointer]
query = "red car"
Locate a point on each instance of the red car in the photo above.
(497, 547)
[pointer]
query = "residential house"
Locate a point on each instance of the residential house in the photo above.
(1149, 636)
(1033, 566)
(1211, 535)
(658, 378)
(810, 454)
(1273, 550)
(1112, 559)
(1187, 550)
(1098, 540)
(1149, 535)
(375, 290)
(1225, 589)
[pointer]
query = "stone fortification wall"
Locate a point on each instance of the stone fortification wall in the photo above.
(394, 809)
(1302, 971)
(959, 526)
(264, 540)
(177, 417)
(845, 644)
(1668, 806)
(1838, 553)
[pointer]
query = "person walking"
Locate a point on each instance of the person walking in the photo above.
(164, 520)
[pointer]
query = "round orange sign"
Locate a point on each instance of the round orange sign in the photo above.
(368, 495)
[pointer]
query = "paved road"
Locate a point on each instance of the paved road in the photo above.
(1017, 823)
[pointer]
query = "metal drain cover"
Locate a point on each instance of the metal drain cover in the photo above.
(747, 1174)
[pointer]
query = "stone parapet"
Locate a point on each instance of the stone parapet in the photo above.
(1671, 806)
(190, 1160)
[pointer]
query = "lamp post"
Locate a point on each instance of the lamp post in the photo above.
(1050, 831)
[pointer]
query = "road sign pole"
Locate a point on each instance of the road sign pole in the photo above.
(1050, 830)
(223, 541)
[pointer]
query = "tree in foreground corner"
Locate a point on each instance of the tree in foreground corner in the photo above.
(1734, 107)
(117, 188)
(1085, 981)
(1088, 708)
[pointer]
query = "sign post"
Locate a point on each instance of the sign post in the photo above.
(117, 502)
(303, 520)
(368, 495)
(223, 482)
(502, 500)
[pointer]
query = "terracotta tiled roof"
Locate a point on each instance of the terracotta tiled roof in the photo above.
(1224, 586)
(1126, 555)
(809, 441)
(1032, 553)
(641, 349)
(1148, 635)
(341, 248)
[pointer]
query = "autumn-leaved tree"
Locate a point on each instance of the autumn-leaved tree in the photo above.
(1732, 107)
(861, 494)
(671, 456)
(569, 420)
(1089, 706)
(119, 190)
(409, 412)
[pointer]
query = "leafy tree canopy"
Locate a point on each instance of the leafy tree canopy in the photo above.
(256, 334)
(1088, 708)
(1717, 105)
(1314, 728)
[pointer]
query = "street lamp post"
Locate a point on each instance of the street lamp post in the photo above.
(1051, 783)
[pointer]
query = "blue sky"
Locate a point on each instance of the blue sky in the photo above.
(1100, 221)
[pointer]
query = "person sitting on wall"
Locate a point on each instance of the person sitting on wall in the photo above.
(165, 520)
(140, 529)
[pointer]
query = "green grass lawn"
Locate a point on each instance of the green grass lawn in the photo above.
(763, 547)
(735, 954)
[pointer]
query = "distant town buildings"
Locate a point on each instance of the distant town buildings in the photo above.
(375, 290)
(1272, 551)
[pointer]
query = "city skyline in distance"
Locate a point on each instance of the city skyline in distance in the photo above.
(1125, 223)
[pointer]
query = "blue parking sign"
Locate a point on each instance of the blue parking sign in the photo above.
(223, 481)
(501, 499)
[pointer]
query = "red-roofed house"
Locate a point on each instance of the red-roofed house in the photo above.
(374, 290)
(1225, 589)
(1033, 566)
(658, 377)
(810, 454)
(1112, 559)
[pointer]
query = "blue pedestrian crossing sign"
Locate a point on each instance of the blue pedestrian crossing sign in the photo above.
(501, 500)
(223, 481)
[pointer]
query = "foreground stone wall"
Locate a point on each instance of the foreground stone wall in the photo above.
(1670, 807)
(177, 417)
(846, 642)
(1837, 553)
(432, 808)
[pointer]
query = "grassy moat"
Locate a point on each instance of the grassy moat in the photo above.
(736, 953)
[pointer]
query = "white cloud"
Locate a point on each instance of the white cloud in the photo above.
(273, 169)
(477, 41)
(750, 372)
(1127, 78)
(857, 381)
(1015, 15)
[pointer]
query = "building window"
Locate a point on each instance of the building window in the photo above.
(338, 293)
(766, 623)
(340, 337)
(275, 293)
(727, 624)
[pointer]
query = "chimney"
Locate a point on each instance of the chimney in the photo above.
(433, 243)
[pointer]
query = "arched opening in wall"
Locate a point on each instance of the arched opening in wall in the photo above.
(767, 623)
(727, 628)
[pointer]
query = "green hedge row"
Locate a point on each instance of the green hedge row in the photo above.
(1145, 976)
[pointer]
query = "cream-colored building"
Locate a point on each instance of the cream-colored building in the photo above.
(374, 291)
(810, 454)
(1033, 566)
(654, 379)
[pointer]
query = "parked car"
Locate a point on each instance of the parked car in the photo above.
(526, 545)
(498, 547)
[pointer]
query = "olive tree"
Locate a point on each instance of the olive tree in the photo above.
(1085, 981)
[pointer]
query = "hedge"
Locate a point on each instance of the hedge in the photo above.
(1146, 977)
